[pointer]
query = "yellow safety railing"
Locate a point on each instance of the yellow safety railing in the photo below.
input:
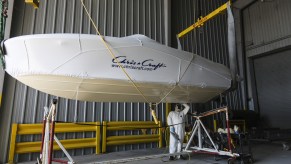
(31, 129)
(131, 139)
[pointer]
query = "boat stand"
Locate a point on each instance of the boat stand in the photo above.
(48, 138)
(198, 127)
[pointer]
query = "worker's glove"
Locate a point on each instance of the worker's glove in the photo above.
(172, 129)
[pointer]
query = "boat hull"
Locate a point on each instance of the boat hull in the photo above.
(78, 66)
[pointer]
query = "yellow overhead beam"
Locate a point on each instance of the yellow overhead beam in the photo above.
(34, 3)
(201, 20)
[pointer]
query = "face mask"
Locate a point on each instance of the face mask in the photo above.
(177, 109)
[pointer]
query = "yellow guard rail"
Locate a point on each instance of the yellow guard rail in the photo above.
(31, 129)
(131, 139)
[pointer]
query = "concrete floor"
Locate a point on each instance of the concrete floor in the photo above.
(271, 153)
(263, 153)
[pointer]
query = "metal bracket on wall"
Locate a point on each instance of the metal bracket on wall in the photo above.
(34, 3)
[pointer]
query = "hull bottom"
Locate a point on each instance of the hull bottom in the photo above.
(111, 90)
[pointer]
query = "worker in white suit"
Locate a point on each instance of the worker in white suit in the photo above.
(176, 123)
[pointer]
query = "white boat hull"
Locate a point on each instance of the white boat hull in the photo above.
(78, 66)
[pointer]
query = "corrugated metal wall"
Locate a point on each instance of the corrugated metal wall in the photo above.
(1, 84)
(113, 18)
(209, 41)
(267, 26)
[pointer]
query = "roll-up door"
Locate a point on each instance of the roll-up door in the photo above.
(273, 80)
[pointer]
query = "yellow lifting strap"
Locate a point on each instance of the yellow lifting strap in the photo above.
(113, 56)
(201, 20)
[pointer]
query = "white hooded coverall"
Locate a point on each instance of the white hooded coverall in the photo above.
(177, 120)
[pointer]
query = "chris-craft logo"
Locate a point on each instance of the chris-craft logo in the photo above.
(144, 65)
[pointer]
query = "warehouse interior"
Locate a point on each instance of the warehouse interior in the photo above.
(258, 100)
